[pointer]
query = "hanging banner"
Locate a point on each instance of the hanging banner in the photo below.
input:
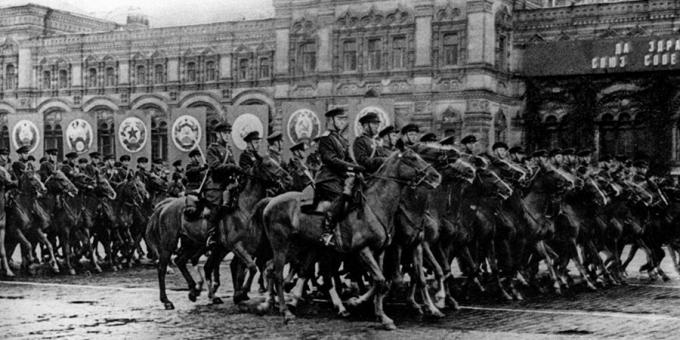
(26, 129)
(384, 108)
(133, 135)
(187, 132)
(301, 122)
(245, 119)
(79, 132)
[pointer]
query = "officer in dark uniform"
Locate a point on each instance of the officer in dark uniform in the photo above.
(141, 168)
(556, 157)
(108, 169)
(92, 169)
(367, 152)
(517, 154)
(177, 184)
(469, 143)
(389, 137)
(335, 179)
(19, 167)
(158, 169)
(297, 166)
(275, 141)
(429, 137)
(4, 158)
(68, 167)
(221, 180)
(195, 171)
(48, 167)
(249, 156)
(409, 136)
(125, 166)
(30, 166)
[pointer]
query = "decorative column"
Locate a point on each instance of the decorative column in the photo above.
(481, 32)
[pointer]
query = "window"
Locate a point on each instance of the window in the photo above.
(4, 137)
(92, 77)
(110, 76)
(105, 142)
(211, 118)
(500, 127)
(308, 57)
(54, 137)
(349, 55)
(450, 49)
(159, 74)
(191, 72)
(63, 79)
(10, 76)
(141, 74)
(210, 71)
(374, 54)
(47, 80)
(159, 139)
(243, 66)
(501, 50)
(264, 67)
(399, 52)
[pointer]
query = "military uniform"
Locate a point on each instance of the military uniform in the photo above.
(336, 162)
(194, 175)
(368, 153)
(248, 159)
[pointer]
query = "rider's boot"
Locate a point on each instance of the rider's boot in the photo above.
(331, 219)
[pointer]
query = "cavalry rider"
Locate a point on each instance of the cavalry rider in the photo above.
(429, 138)
(335, 179)
(92, 169)
(584, 158)
(296, 165)
(141, 167)
(409, 136)
(388, 137)
(29, 163)
(469, 144)
(367, 152)
(122, 172)
(4, 158)
(108, 169)
(177, 184)
(68, 167)
(275, 141)
(19, 167)
(157, 169)
(569, 160)
(221, 180)
(556, 157)
(517, 155)
(48, 167)
(195, 171)
(250, 157)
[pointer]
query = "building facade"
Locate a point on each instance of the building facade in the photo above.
(454, 67)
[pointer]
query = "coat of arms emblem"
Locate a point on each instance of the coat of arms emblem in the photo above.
(186, 133)
(25, 132)
(243, 125)
(132, 134)
(384, 119)
(303, 124)
(79, 135)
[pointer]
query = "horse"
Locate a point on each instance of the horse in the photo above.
(365, 231)
(64, 216)
(168, 225)
(130, 196)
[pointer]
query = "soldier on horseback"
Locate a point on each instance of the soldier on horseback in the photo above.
(250, 157)
(108, 168)
(336, 177)
(142, 172)
(19, 167)
(48, 167)
(221, 180)
(92, 168)
(367, 152)
(469, 143)
(68, 167)
(177, 183)
(388, 137)
(429, 138)
(296, 165)
(195, 171)
(274, 141)
(409, 136)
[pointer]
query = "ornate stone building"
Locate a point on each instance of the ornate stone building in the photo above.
(534, 72)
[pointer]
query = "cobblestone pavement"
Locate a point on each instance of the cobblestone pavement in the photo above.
(124, 305)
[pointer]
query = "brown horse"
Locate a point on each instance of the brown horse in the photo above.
(364, 232)
(63, 215)
(168, 225)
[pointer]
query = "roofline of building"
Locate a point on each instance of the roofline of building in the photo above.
(84, 16)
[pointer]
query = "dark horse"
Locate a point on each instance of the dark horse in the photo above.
(168, 225)
(365, 231)
(64, 217)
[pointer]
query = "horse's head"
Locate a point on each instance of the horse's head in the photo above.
(592, 188)
(461, 170)
(407, 166)
(134, 191)
(553, 180)
(57, 182)
(103, 187)
(489, 182)
(269, 171)
(447, 160)
(32, 183)
(510, 171)
(155, 183)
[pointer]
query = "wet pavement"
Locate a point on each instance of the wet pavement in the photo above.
(124, 305)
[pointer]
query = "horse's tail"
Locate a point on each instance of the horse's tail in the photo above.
(153, 233)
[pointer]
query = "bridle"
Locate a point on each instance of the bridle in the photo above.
(418, 179)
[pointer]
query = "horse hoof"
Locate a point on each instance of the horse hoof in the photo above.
(217, 301)
(71, 272)
(591, 286)
(238, 298)
(55, 269)
(114, 268)
(343, 313)
(288, 318)
(262, 308)
(389, 326)
(353, 302)
(192, 296)
(453, 304)
(168, 305)
(436, 314)
(441, 304)
(9, 273)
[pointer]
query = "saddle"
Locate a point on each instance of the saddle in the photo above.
(307, 204)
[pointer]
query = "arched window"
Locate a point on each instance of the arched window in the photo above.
(63, 79)
(243, 66)
(54, 137)
(191, 72)
(159, 74)
(92, 77)
(308, 57)
(554, 130)
(4, 131)
(608, 135)
(141, 74)
(47, 80)
(110, 76)
(159, 131)
(211, 119)
(210, 71)
(105, 130)
(265, 66)
(10, 77)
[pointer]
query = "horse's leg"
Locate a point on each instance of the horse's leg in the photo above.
(42, 237)
(88, 246)
(493, 264)
(163, 260)
(25, 246)
(238, 277)
(374, 268)
(3, 254)
(631, 254)
(577, 257)
(212, 274)
(440, 296)
(66, 248)
(541, 248)
(181, 262)
(473, 276)
(421, 283)
(650, 258)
